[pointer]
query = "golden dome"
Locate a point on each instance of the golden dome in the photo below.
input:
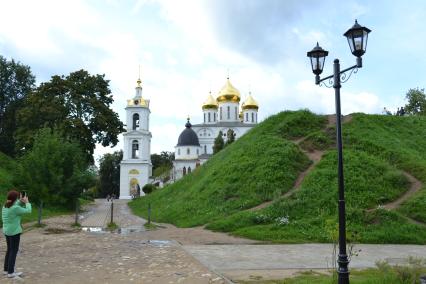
(210, 102)
(138, 102)
(228, 93)
(250, 103)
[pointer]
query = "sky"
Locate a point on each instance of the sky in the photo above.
(187, 48)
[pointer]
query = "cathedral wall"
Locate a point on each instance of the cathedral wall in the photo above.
(178, 166)
(233, 111)
(187, 152)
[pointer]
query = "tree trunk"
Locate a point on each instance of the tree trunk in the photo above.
(76, 211)
(39, 212)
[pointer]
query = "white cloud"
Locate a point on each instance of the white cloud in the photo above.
(322, 99)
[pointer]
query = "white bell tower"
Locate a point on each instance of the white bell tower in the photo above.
(136, 166)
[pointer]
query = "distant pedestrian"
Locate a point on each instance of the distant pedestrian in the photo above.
(108, 197)
(402, 111)
(397, 112)
(12, 229)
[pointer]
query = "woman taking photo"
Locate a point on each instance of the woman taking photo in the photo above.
(11, 216)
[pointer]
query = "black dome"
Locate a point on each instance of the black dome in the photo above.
(188, 137)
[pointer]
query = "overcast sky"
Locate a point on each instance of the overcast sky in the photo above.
(185, 48)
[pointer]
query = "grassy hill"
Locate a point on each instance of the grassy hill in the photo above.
(265, 163)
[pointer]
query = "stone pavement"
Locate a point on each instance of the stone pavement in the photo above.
(232, 260)
(99, 215)
(59, 253)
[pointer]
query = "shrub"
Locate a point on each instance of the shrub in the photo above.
(148, 188)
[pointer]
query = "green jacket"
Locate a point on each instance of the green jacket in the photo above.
(11, 217)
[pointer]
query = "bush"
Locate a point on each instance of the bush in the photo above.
(148, 188)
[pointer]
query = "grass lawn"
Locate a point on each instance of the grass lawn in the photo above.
(264, 164)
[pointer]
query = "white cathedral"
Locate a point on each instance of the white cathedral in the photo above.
(223, 114)
(136, 166)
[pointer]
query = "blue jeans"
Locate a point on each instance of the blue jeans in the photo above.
(12, 251)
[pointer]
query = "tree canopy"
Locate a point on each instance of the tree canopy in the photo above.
(16, 82)
(109, 174)
(416, 102)
(219, 144)
(78, 105)
(54, 170)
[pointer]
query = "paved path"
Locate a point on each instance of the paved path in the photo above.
(60, 254)
(99, 215)
(232, 260)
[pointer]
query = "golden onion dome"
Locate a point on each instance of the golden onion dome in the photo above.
(210, 103)
(228, 93)
(250, 103)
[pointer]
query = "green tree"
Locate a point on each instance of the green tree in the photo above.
(162, 164)
(16, 82)
(78, 105)
(109, 174)
(416, 102)
(54, 171)
(231, 136)
(219, 144)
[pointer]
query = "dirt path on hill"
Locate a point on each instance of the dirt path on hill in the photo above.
(315, 157)
(416, 185)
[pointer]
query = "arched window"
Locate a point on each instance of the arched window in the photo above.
(236, 113)
(184, 171)
(198, 151)
(209, 116)
(256, 117)
(252, 117)
(189, 170)
(205, 149)
(178, 151)
(214, 115)
(135, 149)
(188, 151)
(246, 116)
(204, 117)
(135, 121)
(220, 113)
(229, 112)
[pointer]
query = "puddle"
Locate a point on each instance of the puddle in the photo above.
(121, 231)
(160, 243)
(130, 229)
(93, 229)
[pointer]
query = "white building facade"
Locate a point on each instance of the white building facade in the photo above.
(187, 153)
(223, 114)
(136, 166)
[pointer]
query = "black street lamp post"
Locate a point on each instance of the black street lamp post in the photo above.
(357, 38)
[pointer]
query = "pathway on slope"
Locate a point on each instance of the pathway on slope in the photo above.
(415, 186)
(315, 156)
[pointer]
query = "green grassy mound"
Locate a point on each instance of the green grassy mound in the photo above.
(256, 168)
(253, 170)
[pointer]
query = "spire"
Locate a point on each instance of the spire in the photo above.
(139, 81)
(188, 124)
